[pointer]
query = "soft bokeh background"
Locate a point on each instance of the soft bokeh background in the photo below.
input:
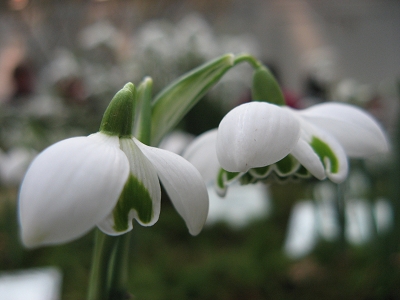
(62, 61)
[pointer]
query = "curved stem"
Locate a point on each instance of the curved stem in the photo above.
(249, 59)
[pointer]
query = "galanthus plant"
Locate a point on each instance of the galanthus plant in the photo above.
(264, 138)
(112, 177)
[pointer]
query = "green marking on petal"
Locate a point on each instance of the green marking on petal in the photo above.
(224, 176)
(134, 196)
(324, 151)
(220, 180)
(247, 178)
(286, 165)
(260, 172)
(231, 175)
(302, 172)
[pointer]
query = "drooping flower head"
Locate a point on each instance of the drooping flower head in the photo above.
(257, 140)
(106, 179)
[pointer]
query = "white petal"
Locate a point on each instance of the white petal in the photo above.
(183, 184)
(255, 135)
(142, 204)
(309, 159)
(334, 160)
(202, 154)
(356, 130)
(70, 187)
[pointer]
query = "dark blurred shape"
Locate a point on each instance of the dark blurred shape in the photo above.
(72, 90)
(314, 88)
(24, 80)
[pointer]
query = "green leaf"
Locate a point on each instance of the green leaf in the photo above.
(265, 87)
(134, 196)
(142, 128)
(172, 103)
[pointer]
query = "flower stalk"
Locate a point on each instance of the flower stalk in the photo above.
(102, 253)
(118, 268)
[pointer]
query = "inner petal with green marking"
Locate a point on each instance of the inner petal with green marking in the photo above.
(325, 152)
(136, 197)
(141, 196)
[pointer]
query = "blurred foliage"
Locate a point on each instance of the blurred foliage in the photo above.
(220, 263)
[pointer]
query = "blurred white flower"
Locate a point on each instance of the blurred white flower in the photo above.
(176, 141)
(241, 206)
(14, 164)
(101, 32)
(302, 235)
(63, 65)
(31, 284)
(383, 215)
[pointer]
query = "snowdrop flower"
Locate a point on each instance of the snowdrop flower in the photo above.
(331, 132)
(258, 139)
(106, 179)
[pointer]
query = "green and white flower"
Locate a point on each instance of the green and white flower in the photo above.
(258, 139)
(106, 179)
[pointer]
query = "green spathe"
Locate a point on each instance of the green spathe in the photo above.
(325, 152)
(172, 103)
(266, 88)
(134, 196)
(118, 117)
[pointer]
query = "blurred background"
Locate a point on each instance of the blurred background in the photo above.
(62, 61)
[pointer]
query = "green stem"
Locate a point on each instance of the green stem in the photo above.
(249, 59)
(340, 209)
(98, 283)
(119, 269)
(265, 87)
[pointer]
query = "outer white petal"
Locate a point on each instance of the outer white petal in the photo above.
(183, 184)
(202, 154)
(254, 135)
(356, 130)
(70, 187)
(143, 170)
